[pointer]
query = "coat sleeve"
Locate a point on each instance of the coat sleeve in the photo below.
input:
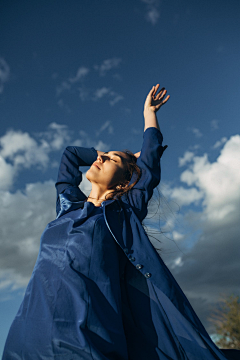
(69, 175)
(149, 164)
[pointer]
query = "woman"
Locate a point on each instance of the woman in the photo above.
(99, 289)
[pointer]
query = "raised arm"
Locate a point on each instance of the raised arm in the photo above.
(150, 154)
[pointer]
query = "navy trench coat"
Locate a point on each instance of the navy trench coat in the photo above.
(165, 324)
(158, 320)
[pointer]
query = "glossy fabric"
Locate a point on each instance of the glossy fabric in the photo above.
(99, 289)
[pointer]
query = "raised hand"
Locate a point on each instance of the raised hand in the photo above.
(155, 100)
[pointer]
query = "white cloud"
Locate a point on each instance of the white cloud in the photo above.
(219, 143)
(81, 73)
(20, 150)
(56, 136)
(220, 180)
(107, 65)
(209, 261)
(188, 156)
(196, 132)
(152, 14)
(7, 174)
(23, 217)
(67, 85)
(4, 73)
(186, 196)
(99, 93)
(76, 84)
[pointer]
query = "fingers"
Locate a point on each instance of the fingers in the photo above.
(155, 89)
(161, 94)
(155, 99)
(165, 100)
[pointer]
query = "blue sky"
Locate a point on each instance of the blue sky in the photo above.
(78, 72)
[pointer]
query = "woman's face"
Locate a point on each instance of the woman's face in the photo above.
(108, 170)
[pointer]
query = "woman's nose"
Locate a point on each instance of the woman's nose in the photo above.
(99, 158)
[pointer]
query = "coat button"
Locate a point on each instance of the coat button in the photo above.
(125, 250)
(147, 275)
(131, 258)
(139, 266)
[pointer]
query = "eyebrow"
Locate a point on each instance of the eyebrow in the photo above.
(121, 157)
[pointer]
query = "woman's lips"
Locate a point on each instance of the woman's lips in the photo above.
(94, 164)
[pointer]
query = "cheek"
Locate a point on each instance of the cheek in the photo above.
(118, 175)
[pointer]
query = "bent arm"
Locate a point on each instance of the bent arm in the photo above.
(69, 175)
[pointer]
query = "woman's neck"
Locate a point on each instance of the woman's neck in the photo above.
(97, 195)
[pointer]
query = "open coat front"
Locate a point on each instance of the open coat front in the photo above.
(153, 319)
(164, 324)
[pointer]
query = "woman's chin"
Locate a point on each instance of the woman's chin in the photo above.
(90, 175)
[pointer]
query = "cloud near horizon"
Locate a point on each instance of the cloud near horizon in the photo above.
(204, 251)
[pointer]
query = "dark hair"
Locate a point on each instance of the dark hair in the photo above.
(131, 168)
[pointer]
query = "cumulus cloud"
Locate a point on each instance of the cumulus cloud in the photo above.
(21, 150)
(23, 217)
(152, 10)
(7, 174)
(4, 73)
(207, 263)
(188, 156)
(18, 151)
(56, 136)
(186, 196)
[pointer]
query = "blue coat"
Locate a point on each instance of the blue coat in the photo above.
(158, 321)
(176, 329)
